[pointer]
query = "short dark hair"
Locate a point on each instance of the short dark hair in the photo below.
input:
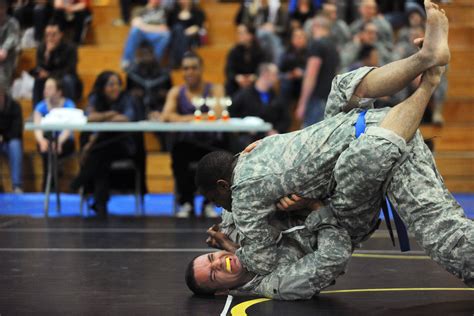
(212, 167)
(365, 51)
(192, 284)
(193, 55)
(59, 84)
(57, 23)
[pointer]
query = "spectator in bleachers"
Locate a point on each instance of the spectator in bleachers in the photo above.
(186, 21)
(56, 57)
(150, 25)
(243, 60)
(369, 14)
(271, 22)
(321, 67)
(126, 9)
(367, 56)
(72, 13)
(53, 98)
(34, 13)
(300, 12)
(292, 65)
(340, 31)
(368, 36)
(148, 82)
(9, 42)
(261, 100)
(416, 18)
(247, 12)
(108, 103)
(189, 148)
(11, 134)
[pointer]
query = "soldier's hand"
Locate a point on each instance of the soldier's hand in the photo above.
(293, 202)
(221, 241)
(252, 146)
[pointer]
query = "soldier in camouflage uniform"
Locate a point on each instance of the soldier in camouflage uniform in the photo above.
(314, 165)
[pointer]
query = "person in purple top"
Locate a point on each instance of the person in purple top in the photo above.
(53, 98)
(188, 148)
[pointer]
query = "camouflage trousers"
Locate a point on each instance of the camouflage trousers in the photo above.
(380, 161)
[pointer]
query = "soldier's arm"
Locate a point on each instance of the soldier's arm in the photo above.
(258, 249)
(315, 271)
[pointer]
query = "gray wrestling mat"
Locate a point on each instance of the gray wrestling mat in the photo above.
(130, 266)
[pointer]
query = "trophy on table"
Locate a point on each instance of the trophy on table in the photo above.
(225, 102)
(198, 103)
(211, 103)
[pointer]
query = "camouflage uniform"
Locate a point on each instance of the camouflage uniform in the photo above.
(310, 157)
(307, 260)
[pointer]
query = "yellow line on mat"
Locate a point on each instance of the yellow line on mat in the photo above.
(240, 309)
(375, 256)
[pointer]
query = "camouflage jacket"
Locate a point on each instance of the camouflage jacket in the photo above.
(311, 253)
(301, 162)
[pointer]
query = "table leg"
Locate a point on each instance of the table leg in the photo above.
(56, 177)
(49, 175)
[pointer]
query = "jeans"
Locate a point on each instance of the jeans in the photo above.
(14, 150)
(136, 36)
(314, 111)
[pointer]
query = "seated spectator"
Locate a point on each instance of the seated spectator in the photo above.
(416, 18)
(34, 13)
(9, 43)
(368, 36)
(272, 26)
(189, 148)
(55, 57)
(107, 103)
(186, 21)
(302, 11)
(247, 12)
(368, 56)
(150, 25)
(292, 65)
(11, 132)
(53, 98)
(261, 100)
(340, 31)
(243, 60)
(72, 14)
(321, 67)
(369, 14)
(148, 82)
(126, 9)
(270, 21)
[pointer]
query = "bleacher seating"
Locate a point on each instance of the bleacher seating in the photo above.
(454, 142)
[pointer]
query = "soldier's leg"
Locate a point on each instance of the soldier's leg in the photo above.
(431, 213)
(393, 77)
(359, 175)
(404, 118)
(348, 89)
(362, 169)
